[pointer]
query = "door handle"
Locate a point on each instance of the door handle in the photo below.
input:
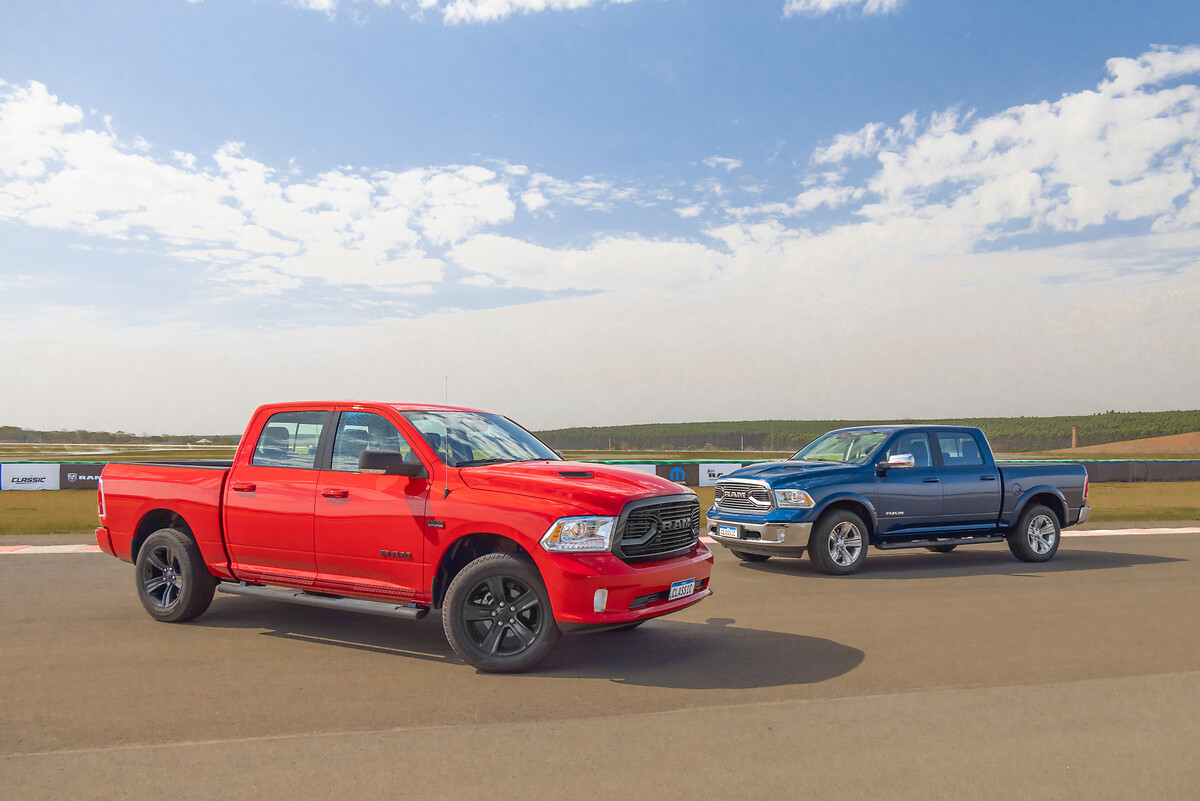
(987, 478)
(931, 479)
(243, 486)
(335, 493)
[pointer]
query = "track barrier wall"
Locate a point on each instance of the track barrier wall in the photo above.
(693, 473)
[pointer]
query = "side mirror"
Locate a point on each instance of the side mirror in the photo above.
(390, 463)
(560, 453)
(898, 460)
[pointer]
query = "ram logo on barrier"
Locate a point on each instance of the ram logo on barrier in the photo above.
(709, 473)
(79, 476)
(29, 476)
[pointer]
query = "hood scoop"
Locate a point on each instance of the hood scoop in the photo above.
(575, 474)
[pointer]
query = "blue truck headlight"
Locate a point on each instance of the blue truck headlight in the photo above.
(793, 499)
(579, 535)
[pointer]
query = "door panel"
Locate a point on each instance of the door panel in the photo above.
(910, 498)
(270, 529)
(268, 508)
(373, 539)
(369, 528)
(972, 491)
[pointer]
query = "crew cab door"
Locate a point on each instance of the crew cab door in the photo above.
(909, 499)
(971, 486)
(268, 507)
(370, 528)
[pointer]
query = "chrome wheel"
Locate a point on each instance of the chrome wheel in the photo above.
(845, 543)
(503, 616)
(1041, 534)
(162, 576)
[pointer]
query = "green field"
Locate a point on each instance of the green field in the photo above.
(74, 511)
(1007, 434)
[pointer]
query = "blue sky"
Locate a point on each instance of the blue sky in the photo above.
(598, 212)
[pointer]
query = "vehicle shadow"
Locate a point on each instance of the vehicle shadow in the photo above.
(714, 655)
(969, 561)
(423, 639)
(664, 653)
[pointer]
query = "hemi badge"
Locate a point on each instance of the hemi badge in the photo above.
(437, 523)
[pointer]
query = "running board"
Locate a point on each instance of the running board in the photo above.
(888, 546)
(405, 612)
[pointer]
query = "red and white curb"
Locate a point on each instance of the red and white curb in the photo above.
(24, 549)
(13, 550)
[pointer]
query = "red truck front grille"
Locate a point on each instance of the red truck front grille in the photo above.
(659, 530)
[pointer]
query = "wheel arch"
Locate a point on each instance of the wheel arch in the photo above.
(850, 503)
(467, 549)
(1050, 497)
(151, 522)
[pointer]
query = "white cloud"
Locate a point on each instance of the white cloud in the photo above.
(728, 164)
(687, 212)
(817, 7)
(612, 263)
(454, 12)
(911, 216)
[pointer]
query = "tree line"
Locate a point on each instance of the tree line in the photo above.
(79, 437)
(1006, 434)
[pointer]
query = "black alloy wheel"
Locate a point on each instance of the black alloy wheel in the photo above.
(173, 582)
(497, 615)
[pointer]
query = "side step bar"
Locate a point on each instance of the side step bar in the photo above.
(404, 612)
(888, 546)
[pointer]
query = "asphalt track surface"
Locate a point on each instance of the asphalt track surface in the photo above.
(925, 676)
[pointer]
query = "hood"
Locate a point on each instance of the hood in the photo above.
(595, 488)
(783, 474)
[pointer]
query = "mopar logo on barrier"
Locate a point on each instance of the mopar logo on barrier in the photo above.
(677, 474)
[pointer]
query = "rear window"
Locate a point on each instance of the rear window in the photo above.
(959, 449)
(289, 439)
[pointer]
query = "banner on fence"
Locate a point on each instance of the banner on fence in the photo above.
(79, 476)
(29, 476)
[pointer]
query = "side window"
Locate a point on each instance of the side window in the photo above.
(916, 443)
(357, 431)
(289, 439)
(959, 449)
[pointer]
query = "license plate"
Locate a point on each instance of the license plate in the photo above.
(681, 589)
(733, 532)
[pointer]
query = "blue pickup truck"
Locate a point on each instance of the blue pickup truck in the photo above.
(934, 487)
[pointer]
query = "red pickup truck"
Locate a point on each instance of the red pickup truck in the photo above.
(395, 509)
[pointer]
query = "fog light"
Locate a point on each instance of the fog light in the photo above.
(599, 601)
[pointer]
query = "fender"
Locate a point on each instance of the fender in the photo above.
(1009, 520)
(858, 498)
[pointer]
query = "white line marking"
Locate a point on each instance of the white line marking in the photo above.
(1129, 532)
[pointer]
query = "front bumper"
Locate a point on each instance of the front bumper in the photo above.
(772, 539)
(636, 591)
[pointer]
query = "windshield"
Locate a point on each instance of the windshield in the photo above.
(464, 439)
(850, 447)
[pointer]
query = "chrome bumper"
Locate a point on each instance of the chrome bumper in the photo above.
(1084, 513)
(781, 539)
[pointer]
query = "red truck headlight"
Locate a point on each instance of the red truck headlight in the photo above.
(579, 535)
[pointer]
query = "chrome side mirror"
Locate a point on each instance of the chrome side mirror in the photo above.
(898, 460)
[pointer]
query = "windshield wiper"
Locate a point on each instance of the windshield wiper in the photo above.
(477, 462)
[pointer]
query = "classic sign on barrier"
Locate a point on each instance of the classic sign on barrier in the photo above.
(29, 476)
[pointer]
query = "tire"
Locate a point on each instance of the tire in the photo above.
(173, 583)
(1036, 536)
(475, 627)
(750, 557)
(838, 543)
(941, 548)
